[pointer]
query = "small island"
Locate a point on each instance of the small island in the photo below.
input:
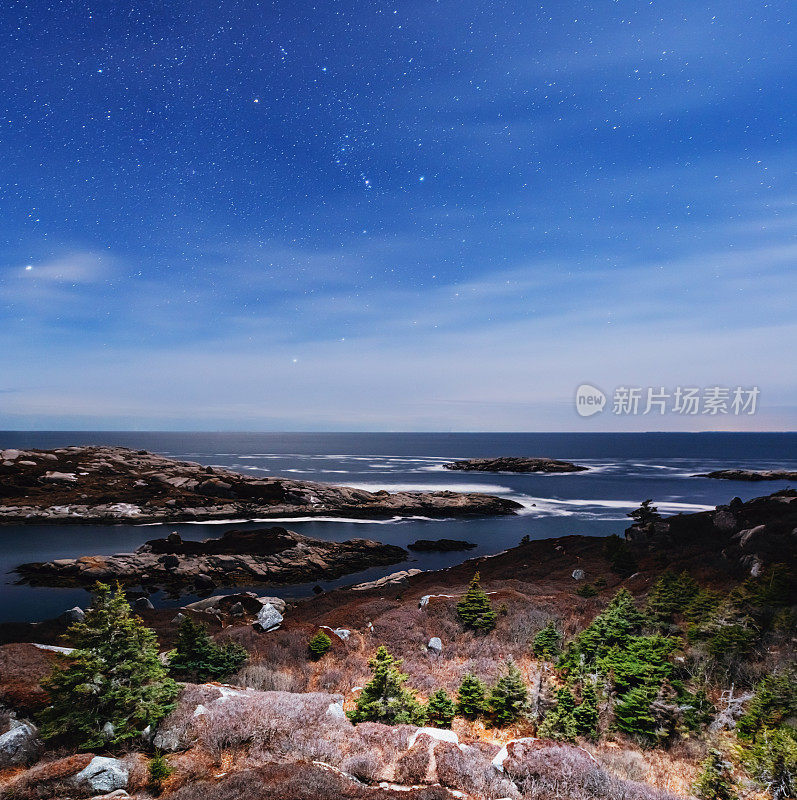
(514, 464)
(252, 557)
(751, 475)
(120, 485)
(440, 545)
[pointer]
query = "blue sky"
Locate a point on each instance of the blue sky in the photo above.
(393, 216)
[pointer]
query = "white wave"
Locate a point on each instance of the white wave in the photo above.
(483, 488)
(357, 521)
(543, 506)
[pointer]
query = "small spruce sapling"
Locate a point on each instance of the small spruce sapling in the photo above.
(198, 657)
(319, 645)
(471, 697)
(440, 709)
(475, 609)
(508, 698)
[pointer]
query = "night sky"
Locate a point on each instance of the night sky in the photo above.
(393, 216)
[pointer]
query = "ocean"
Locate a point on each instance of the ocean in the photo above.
(624, 470)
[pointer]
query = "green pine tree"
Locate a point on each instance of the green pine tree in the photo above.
(559, 722)
(775, 700)
(509, 697)
(319, 645)
(384, 698)
(645, 514)
(115, 685)
(772, 761)
(471, 697)
(547, 643)
(632, 713)
(586, 714)
(440, 709)
(671, 594)
(475, 609)
(715, 781)
(159, 771)
(198, 658)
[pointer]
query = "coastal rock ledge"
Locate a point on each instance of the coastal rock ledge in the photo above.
(116, 484)
(514, 464)
(751, 475)
(270, 555)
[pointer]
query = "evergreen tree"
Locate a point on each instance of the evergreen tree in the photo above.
(475, 609)
(509, 696)
(384, 698)
(671, 595)
(633, 716)
(585, 714)
(616, 626)
(198, 658)
(471, 697)
(775, 700)
(115, 685)
(159, 771)
(319, 645)
(715, 781)
(440, 709)
(645, 514)
(772, 762)
(559, 722)
(547, 642)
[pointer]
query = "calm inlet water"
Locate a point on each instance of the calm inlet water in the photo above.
(624, 470)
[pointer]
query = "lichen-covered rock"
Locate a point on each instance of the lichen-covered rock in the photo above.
(268, 618)
(103, 775)
(19, 745)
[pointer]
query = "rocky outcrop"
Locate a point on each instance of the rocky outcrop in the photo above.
(394, 579)
(440, 545)
(751, 535)
(514, 464)
(103, 775)
(751, 475)
(19, 744)
(116, 484)
(268, 555)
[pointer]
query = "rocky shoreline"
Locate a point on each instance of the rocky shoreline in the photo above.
(120, 485)
(751, 475)
(514, 464)
(252, 557)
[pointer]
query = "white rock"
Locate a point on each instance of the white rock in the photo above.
(336, 711)
(54, 648)
(268, 618)
(503, 753)
(435, 645)
(277, 602)
(9, 455)
(18, 745)
(103, 775)
(424, 601)
(441, 734)
(579, 574)
(60, 477)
